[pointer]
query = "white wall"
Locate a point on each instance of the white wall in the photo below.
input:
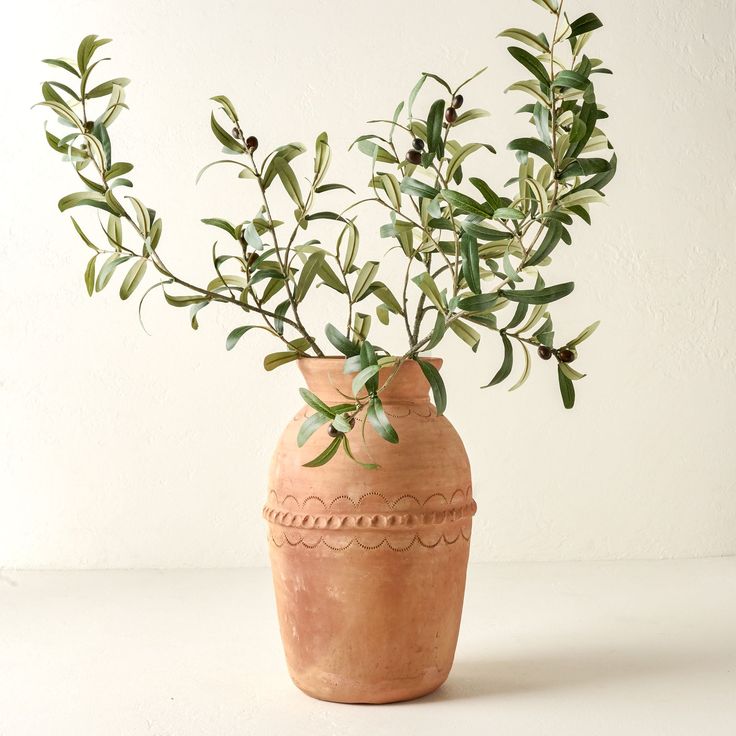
(123, 450)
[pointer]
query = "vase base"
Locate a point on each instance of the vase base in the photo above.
(376, 694)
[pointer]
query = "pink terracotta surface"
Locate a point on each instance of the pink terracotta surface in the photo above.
(369, 565)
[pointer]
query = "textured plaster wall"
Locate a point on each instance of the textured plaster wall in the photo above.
(122, 450)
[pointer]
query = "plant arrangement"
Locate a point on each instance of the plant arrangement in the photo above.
(473, 252)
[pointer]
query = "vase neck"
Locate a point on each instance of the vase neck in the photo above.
(326, 378)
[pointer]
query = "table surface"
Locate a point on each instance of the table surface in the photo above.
(590, 648)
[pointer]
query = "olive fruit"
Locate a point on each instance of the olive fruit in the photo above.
(451, 115)
(457, 101)
(566, 355)
(418, 144)
(544, 352)
(88, 126)
(251, 143)
(414, 157)
(333, 432)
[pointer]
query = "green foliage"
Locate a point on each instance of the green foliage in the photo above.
(473, 253)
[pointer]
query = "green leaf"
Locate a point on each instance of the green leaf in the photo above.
(472, 114)
(413, 94)
(330, 187)
(107, 270)
(369, 358)
(462, 154)
(539, 296)
(364, 375)
(339, 341)
(365, 278)
(62, 64)
(379, 421)
(438, 332)
(477, 304)
(99, 131)
(585, 24)
(531, 63)
(222, 224)
(330, 278)
(312, 400)
(82, 235)
(286, 152)
(508, 268)
(391, 186)
(119, 169)
(434, 128)
(186, 300)
(567, 389)
(276, 360)
(307, 275)
(227, 106)
(532, 145)
(349, 453)
(506, 365)
(81, 199)
(585, 167)
(572, 80)
(376, 152)
(465, 204)
(51, 95)
(527, 369)
(116, 104)
(142, 214)
(194, 311)
(321, 157)
(427, 284)
(87, 48)
(105, 89)
(289, 181)
(133, 278)
(89, 275)
(439, 80)
(531, 87)
(224, 137)
(471, 263)
(508, 213)
(519, 34)
(491, 198)
(252, 238)
(326, 455)
(234, 337)
(436, 384)
(466, 333)
(481, 232)
(570, 372)
(245, 173)
(584, 335)
(417, 188)
(309, 426)
(551, 239)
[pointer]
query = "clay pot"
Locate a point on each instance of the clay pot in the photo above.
(369, 565)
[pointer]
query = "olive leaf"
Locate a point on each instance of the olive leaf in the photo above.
(475, 255)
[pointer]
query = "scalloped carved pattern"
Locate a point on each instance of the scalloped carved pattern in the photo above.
(459, 505)
(402, 516)
(427, 542)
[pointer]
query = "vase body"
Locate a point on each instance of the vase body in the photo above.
(369, 565)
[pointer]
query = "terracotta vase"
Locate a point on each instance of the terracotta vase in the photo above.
(369, 565)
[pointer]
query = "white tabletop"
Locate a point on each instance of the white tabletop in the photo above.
(620, 648)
